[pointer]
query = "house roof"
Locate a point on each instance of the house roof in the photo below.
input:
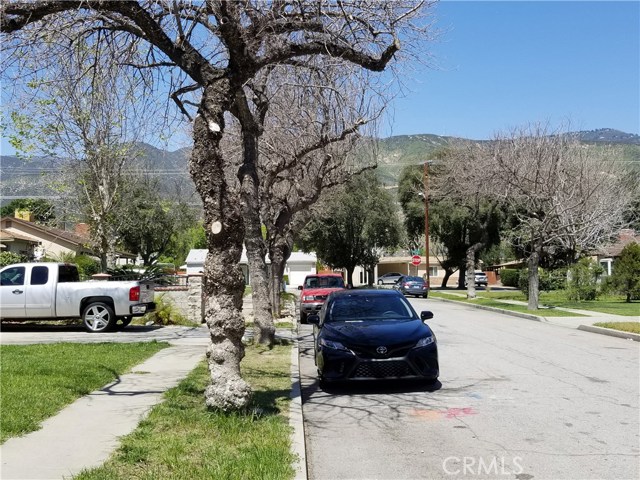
(15, 232)
(16, 223)
(7, 236)
(625, 237)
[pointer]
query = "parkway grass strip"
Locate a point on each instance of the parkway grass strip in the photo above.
(182, 439)
(37, 381)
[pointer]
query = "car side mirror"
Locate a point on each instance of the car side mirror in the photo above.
(426, 315)
(299, 287)
(313, 319)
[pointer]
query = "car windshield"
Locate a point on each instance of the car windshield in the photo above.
(368, 307)
(413, 279)
(324, 282)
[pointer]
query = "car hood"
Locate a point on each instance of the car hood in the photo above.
(376, 332)
(319, 291)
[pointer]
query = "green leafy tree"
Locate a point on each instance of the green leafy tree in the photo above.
(181, 243)
(583, 280)
(462, 222)
(43, 210)
(357, 222)
(625, 277)
(152, 222)
(8, 258)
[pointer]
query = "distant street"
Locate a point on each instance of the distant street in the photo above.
(519, 400)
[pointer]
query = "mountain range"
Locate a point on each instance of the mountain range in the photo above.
(33, 177)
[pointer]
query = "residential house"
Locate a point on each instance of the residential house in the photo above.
(36, 241)
(609, 253)
(298, 266)
(403, 265)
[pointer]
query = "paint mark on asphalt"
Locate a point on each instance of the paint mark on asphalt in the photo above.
(449, 413)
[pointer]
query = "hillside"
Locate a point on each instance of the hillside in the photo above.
(36, 177)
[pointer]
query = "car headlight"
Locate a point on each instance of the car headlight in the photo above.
(333, 345)
(308, 298)
(423, 342)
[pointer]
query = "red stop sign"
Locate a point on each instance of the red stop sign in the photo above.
(416, 260)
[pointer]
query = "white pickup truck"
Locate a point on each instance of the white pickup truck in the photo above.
(50, 291)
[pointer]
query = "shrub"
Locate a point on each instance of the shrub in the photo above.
(625, 278)
(87, 266)
(548, 280)
(7, 258)
(583, 280)
(509, 277)
(553, 279)
(165, 313)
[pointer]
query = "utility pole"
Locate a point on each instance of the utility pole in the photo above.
(426, 218)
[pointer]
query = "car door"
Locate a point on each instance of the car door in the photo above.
(12, 292)
(39, 302)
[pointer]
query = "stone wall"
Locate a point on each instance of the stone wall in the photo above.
(186, 297)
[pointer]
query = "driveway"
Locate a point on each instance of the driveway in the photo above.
(24, 334)
(518, 399)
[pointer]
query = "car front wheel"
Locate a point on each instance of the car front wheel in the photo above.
(98, 317)
(303, 317)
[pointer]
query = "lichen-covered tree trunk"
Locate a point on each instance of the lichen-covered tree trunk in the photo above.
(279, 253)
(470, 269)
(264, 328)
(224, 282)
(534, 279)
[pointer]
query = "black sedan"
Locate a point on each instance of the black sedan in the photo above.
(412, 286)
(373, 334)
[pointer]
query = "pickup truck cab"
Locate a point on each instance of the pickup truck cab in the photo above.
(314, 292)
(50, 291)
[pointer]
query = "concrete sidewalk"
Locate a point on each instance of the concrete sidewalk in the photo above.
(85, 433)
(583, 320)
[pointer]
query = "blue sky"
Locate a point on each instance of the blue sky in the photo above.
(503, 64)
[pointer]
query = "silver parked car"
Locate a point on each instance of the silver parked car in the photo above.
(389, 278)
(479, 278)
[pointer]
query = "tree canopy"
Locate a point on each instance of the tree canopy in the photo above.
(353, 225)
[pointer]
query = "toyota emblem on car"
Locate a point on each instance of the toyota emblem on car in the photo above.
(381, 350)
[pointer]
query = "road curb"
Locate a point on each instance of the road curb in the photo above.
(296, 420)
(526, 316)
(610, 332)
(585, 328)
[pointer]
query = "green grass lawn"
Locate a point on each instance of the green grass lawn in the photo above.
(614, 304)
(39, 380)
(182, 439)
(496, 303)
(632, 327)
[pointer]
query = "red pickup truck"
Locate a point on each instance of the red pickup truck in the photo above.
(315, 290)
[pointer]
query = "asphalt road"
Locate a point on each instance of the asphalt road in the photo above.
(518, 399)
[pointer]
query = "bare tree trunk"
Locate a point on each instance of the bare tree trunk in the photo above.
(223, 279)
(534, 280)
(447, 275)
(264, 328)
(462, 272)
(279, 254)
(350, 270)
(470, 269)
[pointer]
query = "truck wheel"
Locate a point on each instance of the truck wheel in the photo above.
(122, 324)
(303, 317)
(98, 317)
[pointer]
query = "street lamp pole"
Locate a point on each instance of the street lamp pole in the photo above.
(426, 218)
